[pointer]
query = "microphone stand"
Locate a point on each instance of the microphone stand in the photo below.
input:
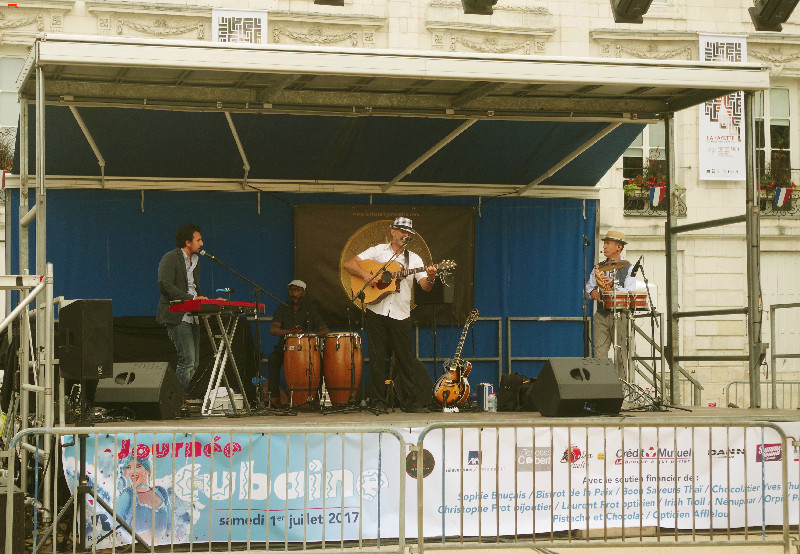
(586, 352)
(658, 399)
(259, 354)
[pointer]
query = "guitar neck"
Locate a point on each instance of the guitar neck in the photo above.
(457, 355)
(403, 273)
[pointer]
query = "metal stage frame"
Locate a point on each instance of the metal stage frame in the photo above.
(85, 71)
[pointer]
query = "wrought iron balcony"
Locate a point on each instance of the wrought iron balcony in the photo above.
(636, 202)
(769, 207)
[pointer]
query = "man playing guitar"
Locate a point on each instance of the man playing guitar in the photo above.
(388, 322)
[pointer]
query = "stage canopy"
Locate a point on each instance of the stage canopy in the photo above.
(133, 113)
(521, 141)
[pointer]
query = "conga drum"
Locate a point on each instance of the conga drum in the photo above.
(301, 367)
(344, 360)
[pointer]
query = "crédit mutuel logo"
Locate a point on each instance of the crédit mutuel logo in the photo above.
(653, 454)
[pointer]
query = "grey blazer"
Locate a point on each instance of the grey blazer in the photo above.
(173, 285)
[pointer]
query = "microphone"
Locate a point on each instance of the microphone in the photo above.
(207, 255)
(226, 289)
(638, 266)
(407, 239)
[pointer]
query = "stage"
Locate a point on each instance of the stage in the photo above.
(397, 418)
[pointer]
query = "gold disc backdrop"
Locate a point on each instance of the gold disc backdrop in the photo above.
(371, 234)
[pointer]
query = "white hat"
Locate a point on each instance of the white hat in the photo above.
(297, 283)
(404, 224)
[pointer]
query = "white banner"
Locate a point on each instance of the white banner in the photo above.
(721, 125)
(538, 480)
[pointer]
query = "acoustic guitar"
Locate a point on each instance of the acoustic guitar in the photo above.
(452, 388)
(389, 281)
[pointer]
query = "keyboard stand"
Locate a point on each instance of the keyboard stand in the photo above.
(222, 351)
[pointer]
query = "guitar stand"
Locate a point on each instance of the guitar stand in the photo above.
(222, 350)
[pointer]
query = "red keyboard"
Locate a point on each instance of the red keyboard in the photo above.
(225, 307)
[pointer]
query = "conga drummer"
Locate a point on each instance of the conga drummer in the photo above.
(299, 321)
(608, 279)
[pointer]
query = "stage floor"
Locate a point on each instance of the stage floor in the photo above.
(398, 418)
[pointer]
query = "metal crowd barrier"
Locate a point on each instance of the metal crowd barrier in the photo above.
(499, 483)
(784, 395)
(587, 483)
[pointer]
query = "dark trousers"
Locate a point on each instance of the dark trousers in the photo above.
(274, 371)
(412, 382)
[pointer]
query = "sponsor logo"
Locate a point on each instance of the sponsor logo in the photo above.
(412, 465)
(534, 459)
(571, 455)
(652, 455)
(474, 458)
(576, 458)
(769, 452)
(726, 452)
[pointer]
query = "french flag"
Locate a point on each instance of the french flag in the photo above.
(782, 195)
(657, 195)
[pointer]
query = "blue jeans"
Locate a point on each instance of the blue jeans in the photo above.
(186, 338)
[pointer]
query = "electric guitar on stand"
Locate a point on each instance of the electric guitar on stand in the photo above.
(452, 388)
(389, 281)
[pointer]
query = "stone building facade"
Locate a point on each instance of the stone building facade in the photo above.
(711, 263)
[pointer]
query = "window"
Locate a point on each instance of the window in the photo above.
(650, 144)
(772, 132)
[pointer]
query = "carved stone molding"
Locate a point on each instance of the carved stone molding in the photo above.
(323, 36)
(159, 27)
(7, 22)
(120, 19)
(654, 52)
(776, 58)
(22, 29)
(488, 39)
(485, 44)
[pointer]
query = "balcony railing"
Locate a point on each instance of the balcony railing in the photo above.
(637, 203)
(769, 207)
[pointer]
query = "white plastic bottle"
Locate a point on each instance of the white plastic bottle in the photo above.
(492, 403)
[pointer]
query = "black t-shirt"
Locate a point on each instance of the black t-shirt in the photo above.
(307, 318)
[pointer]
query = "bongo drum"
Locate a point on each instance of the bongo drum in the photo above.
(301, 367)
(343, 359)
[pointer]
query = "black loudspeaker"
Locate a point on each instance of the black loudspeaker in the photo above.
(439, 294)
(150, 389)
(86, 339)
(578, 386)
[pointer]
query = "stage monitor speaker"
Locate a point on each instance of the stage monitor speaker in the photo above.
(86, 339)
(578, 386)
(439, 294)
(150, 389)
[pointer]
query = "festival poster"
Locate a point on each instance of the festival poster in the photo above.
(721, 125)
(476, 481)
(239, 487)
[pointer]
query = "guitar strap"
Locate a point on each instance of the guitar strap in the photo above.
(405, 255)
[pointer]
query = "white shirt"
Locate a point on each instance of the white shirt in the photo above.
(190, 264)
(395, 305)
